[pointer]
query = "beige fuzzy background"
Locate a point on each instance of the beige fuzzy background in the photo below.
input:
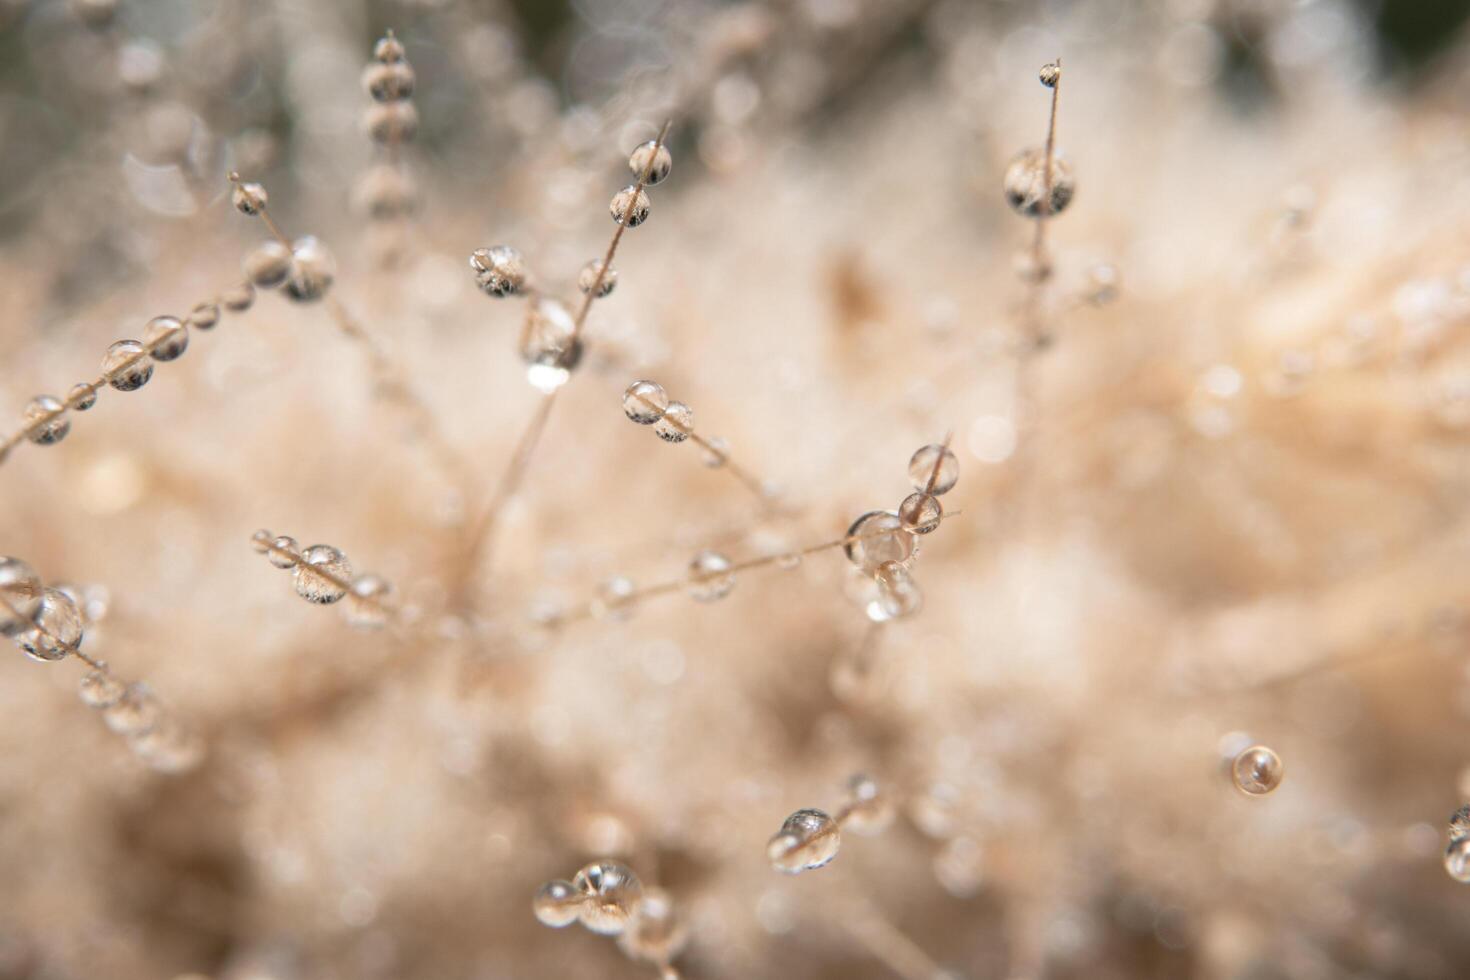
(1229, 499)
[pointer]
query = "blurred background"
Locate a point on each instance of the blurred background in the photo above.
(1211, 438)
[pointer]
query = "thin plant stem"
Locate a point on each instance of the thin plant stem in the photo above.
(72, 400)
(745, 478)
(424, 419)
(695, 578)
(891, 946)
(269, 547)
(481, 533)
(1027, 408)
(617, 236)
(70, 648)
(1038, 243)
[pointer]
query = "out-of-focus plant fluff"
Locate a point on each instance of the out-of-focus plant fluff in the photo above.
(1170, 683)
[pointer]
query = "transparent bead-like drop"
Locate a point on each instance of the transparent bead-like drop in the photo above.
(1050, 74)
(388, 49)
(898, 594)
(610, 896)
(1102, 284)
(82, 396)
(167, 748)
(657, 933)
(500, 270)
(268, 264)
(136, 711)
(650, 162)
(392, 122)
(389, 82)
(557, 904)
(249, 198)
(877, 537)
(1460, 822)
(629, 207)
(204, 316)
(1257, 771)
(285, 553)
(166, 338)
(99, 690)
(869, 810)
(240, 298)
(1025, 183)
(808, 839)
(675, 424)
(127, 365)
(311, 574)
(645, 402)
(550, 345)
(46, 420)
(312, 270)
(613, 600)
(20, 595)
(596, 283)
(715, 453)
(934, 469)
(386, 192)
(710, 577)
(367, 606)
(1457, 859)
(920, 513)
(57, 630)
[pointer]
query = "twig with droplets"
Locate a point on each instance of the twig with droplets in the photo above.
(607, 898)
(48, 625)
(879, 543)
(306, 272)
(1051, 76)
(323, 575)
(646, 403)
(386, 193)
(1039, 196)
(127, 366)
(500, 272)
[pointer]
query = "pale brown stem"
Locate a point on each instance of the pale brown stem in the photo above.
(745, 479)
(892, 947)
(334, 579)
(72, 400)
(674, 585)
(424, 420)
(481, 533)
(617, 236)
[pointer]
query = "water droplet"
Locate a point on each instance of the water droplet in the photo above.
(807, 840)
(49, 417)
(1257, 771)
(126, 365)
(934, 469)
(310, 574)
(1025, 183)
(710, 577)
(645, 402)
(650, 162)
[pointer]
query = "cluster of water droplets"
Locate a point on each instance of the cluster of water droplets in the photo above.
(322, 574)
(882, 544)
(551, 335)
(810, 838)
(607, 898)
(48, 624)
